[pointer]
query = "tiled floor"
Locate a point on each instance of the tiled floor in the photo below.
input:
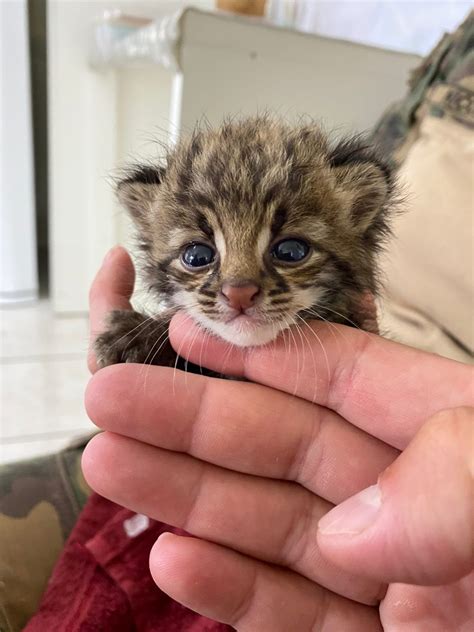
(43, 374)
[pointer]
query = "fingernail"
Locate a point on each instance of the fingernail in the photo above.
(354, 515)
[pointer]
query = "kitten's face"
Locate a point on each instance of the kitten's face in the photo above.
(246, 282)
(256, 225)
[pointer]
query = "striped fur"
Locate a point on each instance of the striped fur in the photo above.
(240, 188)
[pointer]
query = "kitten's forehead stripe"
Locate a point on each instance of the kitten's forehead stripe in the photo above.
(220, 244)
(263, 242)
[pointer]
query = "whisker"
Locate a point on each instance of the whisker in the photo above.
(139, 326)
(230, 346)
(297, 357)
(274, 338)
(332, 327)
(330, 309)
(283, 332)
(302, 333)
(302, 342)
(375, 339)
(206, 338)
(308, 328)
(178, 355)
(186, 361)
(146, 365)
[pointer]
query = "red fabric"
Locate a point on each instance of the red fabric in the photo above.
(102, 583)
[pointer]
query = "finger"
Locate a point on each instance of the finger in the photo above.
(270, 520)
(111, 289)
(378, 385)
(416, 526)
(247, 594)
(447, 607)
(368, 313)
(272, 434)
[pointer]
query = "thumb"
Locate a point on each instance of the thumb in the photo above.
(416, 525)
(111, 289)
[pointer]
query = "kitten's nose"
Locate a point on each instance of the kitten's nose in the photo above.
(240, 295)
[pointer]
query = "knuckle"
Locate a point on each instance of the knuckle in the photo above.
(308, 455)
(243, 607)
(451, 422)
(297, 535)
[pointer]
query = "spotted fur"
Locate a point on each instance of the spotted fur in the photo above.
(242, 187)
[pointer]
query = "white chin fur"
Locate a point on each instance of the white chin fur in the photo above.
(241, 336)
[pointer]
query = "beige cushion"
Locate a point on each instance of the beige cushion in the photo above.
(428, 267)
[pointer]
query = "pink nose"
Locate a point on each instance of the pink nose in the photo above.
(240, 296)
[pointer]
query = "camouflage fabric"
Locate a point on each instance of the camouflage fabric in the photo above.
(40, 500)
(442, 86)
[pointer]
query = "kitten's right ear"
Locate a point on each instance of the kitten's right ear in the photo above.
(138, 191)
(366, 179)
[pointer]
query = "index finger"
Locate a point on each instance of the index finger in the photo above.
(111, 289)
(383, 387)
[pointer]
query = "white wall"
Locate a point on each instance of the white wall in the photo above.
(143, 104)
(100, 119)
(95, 119)
(18, 267)
(411, 26)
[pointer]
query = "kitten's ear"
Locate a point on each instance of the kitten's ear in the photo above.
(138, 191)
(366, 180)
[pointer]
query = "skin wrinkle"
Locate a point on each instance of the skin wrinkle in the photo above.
(201, 417)
(305, 450)
(341, 384)
(296, 539)
(239, 622)
(321, 614)
(196, 495)
(245, 606)
(197, 418)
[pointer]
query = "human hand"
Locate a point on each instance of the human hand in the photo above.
(250, 471)
(112, 289)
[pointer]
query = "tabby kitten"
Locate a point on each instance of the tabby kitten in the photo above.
(249, 228)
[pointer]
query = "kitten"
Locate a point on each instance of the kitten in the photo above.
(249, 228)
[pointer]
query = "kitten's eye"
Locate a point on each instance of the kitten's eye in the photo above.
(290, 250)
(197, 255)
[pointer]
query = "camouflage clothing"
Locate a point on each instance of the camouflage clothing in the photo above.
(442, 86)
(41, 499)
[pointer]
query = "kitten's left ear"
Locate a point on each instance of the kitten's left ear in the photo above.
(138, 190)
(365, 180)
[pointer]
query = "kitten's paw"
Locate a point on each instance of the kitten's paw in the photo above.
(127, 338)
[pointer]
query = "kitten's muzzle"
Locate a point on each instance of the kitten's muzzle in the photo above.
(240, 295)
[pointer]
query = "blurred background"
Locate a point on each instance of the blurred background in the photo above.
(88, 86)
